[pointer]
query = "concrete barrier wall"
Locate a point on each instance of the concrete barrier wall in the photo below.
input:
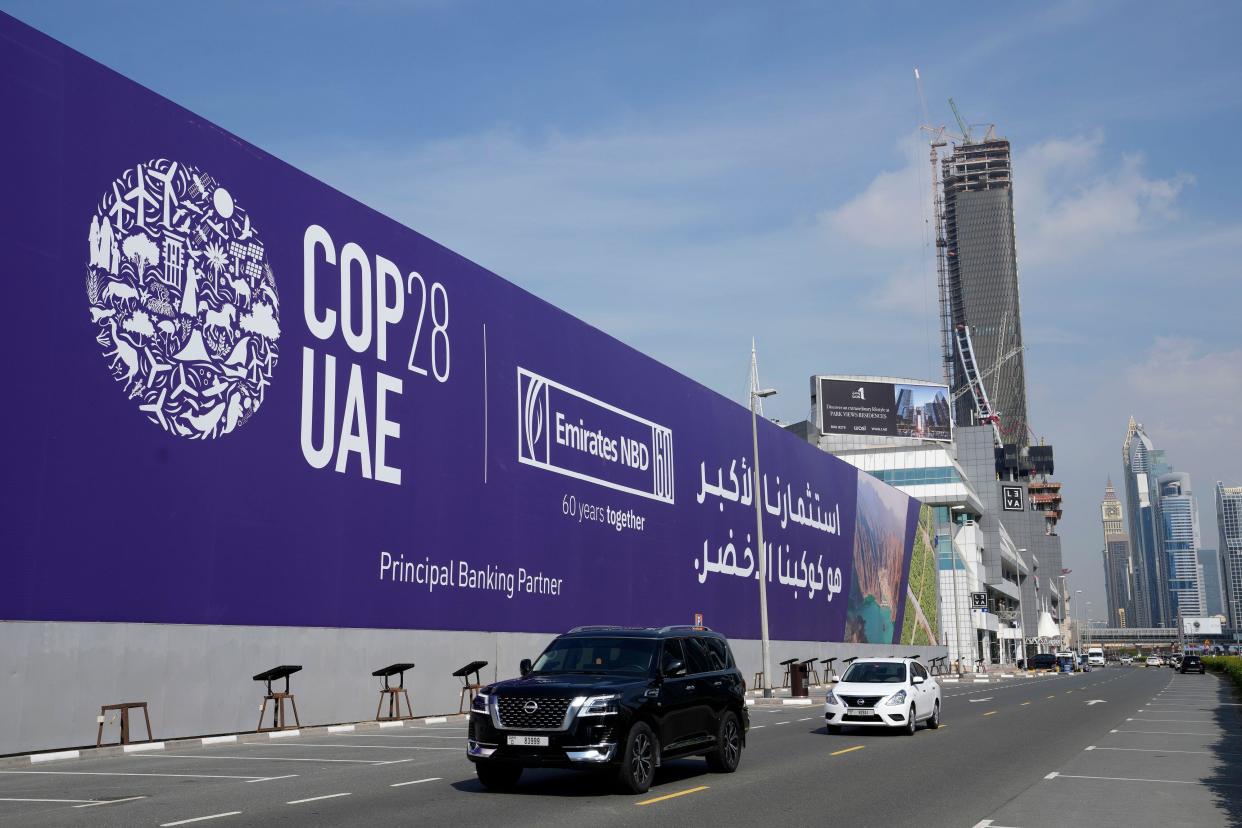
(196, 678)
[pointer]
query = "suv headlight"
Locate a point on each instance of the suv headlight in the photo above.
(479, 705)
(598, 705)
(831, 698)
(898, 698)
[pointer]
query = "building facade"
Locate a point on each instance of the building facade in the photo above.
(1143, 464)
(982, 283)
(1179, 542)
(1211, 576)
(1118, 581)
(1229, 526)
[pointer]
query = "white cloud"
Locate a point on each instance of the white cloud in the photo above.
(893, 211)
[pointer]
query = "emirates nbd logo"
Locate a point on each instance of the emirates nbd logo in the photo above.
(565, 431)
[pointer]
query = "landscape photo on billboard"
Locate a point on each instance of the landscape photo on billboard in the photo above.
(923, 412)
(873, 611)
(922, 604)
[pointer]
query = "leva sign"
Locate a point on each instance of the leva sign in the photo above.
(236, 396)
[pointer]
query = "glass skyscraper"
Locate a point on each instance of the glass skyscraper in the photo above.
(983, 278)
(1151, 604)
(1229, 524)
(1179, 540)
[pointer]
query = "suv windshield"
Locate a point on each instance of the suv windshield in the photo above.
(876, 672)
(597, 655)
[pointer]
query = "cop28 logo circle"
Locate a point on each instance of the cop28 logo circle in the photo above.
(183, 299)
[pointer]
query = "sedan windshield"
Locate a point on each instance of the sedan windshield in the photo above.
(597, 655)
(876, 672)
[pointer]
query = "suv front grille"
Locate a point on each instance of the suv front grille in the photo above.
(548, 714)
(860, 701)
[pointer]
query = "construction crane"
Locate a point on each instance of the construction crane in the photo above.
(1010, 354)
(974, 382)
(961, 122)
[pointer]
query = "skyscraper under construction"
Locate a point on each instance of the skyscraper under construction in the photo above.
(982, 279)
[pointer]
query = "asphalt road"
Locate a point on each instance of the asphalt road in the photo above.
(1122, 746)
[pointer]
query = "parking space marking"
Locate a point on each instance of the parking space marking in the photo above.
(1133, 779)
(672, 795)
(1161, 750)
(990, 713)
(415, 782)
(1183, 721)
(262, 758)
(462, 735)
(807, 719)
(119, 773)
(847, 750)
(274, 778)
(198, 819)
(316, 798)
(62, 801)
(1165, 732)
(1024, 704)
(110, 802)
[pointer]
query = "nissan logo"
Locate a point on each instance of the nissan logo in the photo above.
(858, 702)
(530, 707)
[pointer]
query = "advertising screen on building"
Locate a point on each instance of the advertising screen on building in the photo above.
(1201, 626)
(236, 396)
(884, 409)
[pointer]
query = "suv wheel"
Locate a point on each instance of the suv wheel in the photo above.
(934, 721)
(498, 777)
(911, 724)
(638, 760)
(728, 752)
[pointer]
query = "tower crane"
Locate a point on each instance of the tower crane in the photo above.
(961, 122)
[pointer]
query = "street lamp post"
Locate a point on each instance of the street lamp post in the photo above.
(1021, 608)
(957, 612)
(764, 644)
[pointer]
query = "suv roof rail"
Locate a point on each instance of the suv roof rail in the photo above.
(684, 627)
(593, 627)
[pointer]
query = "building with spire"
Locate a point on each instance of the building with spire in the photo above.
(1118, 579)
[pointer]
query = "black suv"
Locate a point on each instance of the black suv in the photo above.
(618, 698)
(1191, 664)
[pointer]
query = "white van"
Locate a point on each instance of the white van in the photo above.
(1095, 656)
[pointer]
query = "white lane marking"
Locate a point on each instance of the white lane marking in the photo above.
(1096, 701)
(316, 798)
(757, 727)
(138, 748)
(66, 801)
(1089, 747)
(1165, 732)
(807, 719)
(273, 778)
(1183, 721)
(260, 758)
(976, 701)
(217, 740)
(283, 734)
(1052, 775)
(1166, 750)
(1133, 779)
(198, 819)
(119, 773)
(459, 736)
(435, 720)
(781, 723)
(415, 782)
(397, 761)
(110, 802)
(53, 757)
(361, 747)
(340, 728)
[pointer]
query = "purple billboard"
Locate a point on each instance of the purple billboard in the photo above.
(236, 396)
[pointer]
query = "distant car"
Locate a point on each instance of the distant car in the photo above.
(1175, 661)
(1191, 664)
(1127, 660)
(1154, 661)
(883, 692)
(1043, 661)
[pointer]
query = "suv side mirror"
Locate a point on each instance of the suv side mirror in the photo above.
(917, 680)
(524, 666)
(675, 668)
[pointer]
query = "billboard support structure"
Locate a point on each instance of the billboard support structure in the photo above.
(765, 645)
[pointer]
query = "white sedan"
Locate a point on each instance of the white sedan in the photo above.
(883, 692)
(1155, 661)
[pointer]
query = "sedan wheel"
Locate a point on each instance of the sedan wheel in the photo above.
(911, 724)
(934, 721)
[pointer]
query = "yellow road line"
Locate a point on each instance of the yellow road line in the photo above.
(990, 713)
(672, 795)
(847, 750)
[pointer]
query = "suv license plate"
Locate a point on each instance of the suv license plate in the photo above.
(528, 741)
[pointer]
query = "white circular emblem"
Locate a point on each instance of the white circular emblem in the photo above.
(183, 299)
(530, 707)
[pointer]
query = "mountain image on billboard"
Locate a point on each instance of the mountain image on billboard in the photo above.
(879, 558)
(922, 412)
(922, 619)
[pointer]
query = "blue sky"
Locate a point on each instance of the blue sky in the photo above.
(686, 176)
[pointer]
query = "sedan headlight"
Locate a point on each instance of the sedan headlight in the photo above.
(479, 705)
(831, 698)
(599, 705)
(898, 698)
